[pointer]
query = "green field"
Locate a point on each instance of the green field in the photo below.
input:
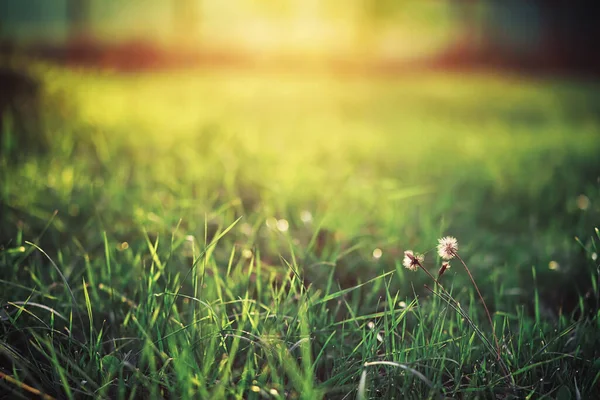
(203, 234)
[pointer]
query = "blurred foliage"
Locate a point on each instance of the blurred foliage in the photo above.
(331, 179)
(379, 162)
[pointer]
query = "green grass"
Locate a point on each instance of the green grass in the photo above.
(214, 235)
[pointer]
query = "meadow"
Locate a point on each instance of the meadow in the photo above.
(241, 234)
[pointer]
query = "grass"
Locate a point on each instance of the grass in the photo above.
(241, 235)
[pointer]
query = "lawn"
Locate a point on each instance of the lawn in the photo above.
(235, 234)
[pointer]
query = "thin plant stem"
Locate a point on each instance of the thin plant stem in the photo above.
(483, 302)
(431, 276)
(508, 376)
(456, 306)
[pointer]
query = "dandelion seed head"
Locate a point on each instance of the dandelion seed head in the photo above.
(412, 260)
(447, 247)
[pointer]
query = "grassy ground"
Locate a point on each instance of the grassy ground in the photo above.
(237, 235)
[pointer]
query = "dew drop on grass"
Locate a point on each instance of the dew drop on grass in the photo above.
(246, 228)
(594, 256)
(283, 225)
(271, 222)
(73, 210)
(583, 202)
(247, 253)
(377, 253)
(306, 216)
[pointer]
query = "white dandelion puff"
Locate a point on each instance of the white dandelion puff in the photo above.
(447, 247)
(412, 260)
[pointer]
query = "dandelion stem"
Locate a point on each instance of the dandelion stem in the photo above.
(431, 276)
(483, 302)
(456, 306)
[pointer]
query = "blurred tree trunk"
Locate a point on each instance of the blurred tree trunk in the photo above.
(545, 35)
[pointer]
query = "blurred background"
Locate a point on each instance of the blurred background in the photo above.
(542, 35)
(355, 129)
